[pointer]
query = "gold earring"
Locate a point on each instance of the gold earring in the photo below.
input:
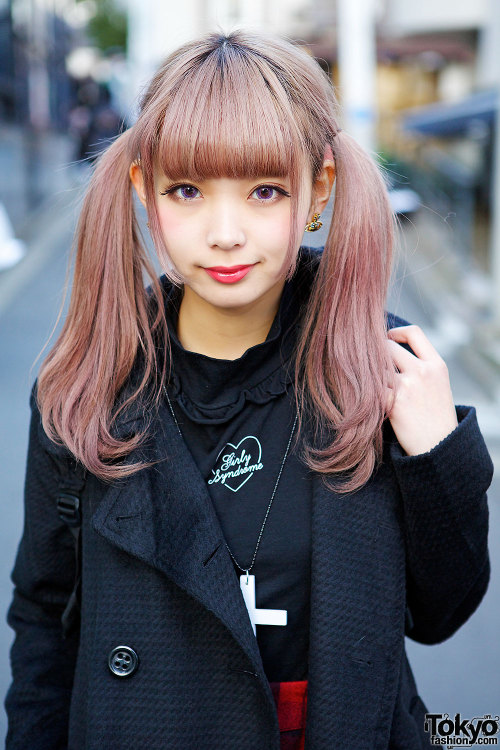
(314, 224)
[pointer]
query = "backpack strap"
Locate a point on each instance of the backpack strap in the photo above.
(69, 508)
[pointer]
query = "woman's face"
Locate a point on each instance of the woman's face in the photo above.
(227, 237)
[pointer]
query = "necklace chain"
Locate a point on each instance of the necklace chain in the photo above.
(248, 569)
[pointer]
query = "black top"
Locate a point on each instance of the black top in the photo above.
(236, 417)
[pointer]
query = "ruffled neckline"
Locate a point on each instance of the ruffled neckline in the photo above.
(212, 391)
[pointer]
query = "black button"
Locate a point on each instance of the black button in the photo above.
(123, 661)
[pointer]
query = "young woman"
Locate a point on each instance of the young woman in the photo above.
(277, 484)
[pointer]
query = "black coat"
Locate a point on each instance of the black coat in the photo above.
(408, 551)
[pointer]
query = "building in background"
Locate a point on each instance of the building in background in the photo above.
(437, 82)
(439, 119)
(35, 39)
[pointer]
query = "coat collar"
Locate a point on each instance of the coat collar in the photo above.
(171, 524)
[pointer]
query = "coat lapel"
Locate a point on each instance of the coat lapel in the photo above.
(164, 516)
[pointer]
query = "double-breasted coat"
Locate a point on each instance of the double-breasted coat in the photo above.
(166, 656)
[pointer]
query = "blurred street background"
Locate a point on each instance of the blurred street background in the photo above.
(420, 86)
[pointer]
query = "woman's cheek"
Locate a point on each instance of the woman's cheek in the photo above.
(275, 233)
(172, 226)
(177, 241)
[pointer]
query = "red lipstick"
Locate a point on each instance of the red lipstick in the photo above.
(228, 275)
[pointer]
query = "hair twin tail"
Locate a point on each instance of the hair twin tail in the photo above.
(108, 324)
(343, 364)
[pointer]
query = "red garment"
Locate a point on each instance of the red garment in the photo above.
(291, 703)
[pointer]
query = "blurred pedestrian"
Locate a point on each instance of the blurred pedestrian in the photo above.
(94, 121)
(273, 483)
(105, 123)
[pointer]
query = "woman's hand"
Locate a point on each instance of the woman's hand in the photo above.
(423, 412)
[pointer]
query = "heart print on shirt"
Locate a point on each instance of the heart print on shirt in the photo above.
(236, 464)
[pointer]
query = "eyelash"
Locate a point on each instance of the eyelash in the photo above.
(173, 188)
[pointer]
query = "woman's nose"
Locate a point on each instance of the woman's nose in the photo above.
(225, 226)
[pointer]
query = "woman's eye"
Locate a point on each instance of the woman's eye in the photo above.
(187, 191)
(181, 192)
(267, 193)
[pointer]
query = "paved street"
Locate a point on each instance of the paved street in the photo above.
(460, 675)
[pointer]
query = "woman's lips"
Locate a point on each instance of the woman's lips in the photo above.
(228, 275)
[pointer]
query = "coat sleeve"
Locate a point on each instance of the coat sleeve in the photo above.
(445, 519)
(42, 661)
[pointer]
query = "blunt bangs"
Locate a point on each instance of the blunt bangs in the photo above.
(225, 120)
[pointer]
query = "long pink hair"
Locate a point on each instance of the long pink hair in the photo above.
(240, 105)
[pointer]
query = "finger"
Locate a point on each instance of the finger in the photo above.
(402, 358)
(416, 339)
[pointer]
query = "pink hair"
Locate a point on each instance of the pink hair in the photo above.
(255, 106)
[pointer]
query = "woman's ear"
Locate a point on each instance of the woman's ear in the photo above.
(137, 179)
(323, 187)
